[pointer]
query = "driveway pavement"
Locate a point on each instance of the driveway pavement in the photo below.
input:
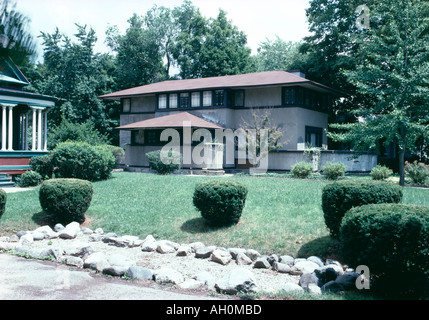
(27, 279)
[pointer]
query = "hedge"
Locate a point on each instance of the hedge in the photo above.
(220, 202)
(341, 196)
(3, 199)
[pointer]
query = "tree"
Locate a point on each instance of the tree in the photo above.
(392, 72)
(277, 55)
(72, 72)
(224, 51)
(15, 39)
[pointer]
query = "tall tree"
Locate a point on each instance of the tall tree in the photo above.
(16, 40)
(224, 51)
(392, 72)
(72, 72)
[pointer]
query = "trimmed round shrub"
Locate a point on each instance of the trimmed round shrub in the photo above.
(66, 200)
(3, 199)
(418, 172)
(164, 162)
(220, 202)
(81, 160)
(392, 240)
(340, 196)
(334, 170)
(380, 172)
(42, 165)
(30, 179)
(302, 169)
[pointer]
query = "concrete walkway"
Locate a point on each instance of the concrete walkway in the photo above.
(26, 279)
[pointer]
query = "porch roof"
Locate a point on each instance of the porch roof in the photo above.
(176, 120)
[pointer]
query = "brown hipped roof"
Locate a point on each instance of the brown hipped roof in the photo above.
(177, 120)
(235, 81)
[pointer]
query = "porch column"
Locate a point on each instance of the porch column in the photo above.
(26, 131)
(39, 130)
(3, 129)
(10, 131)
(33, 144)
(45, 130)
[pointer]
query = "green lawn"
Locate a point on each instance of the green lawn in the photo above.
(282, 215)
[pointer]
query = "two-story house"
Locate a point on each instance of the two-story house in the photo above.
(296, 105)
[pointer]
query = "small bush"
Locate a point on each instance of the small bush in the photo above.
(30, 179)
(117, 152)
(380, 172)
(42, 165)
(302, 169)
(392, 240)
(339, 197)
(164, 162)
(220, 202)
(81, 160)
(3, 199)
(334, 170)
(66, 200)
(418, 172)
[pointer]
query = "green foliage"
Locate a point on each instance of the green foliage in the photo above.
(164, 162)
(42, 165)
(82, 161)
(334, 170)
(117, 152)
(392, 240)
(341, 196)
(66, 200)
(30, 179)
(380, 172)
(3, 200)
(302, 169)
(220, 202)
(69, 131)
(418, 172)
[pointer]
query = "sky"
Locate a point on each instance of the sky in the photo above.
(259, 19)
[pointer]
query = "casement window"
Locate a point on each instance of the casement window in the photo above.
(219, 96)
(239, 98)
(172, 101)
(162, 101)
(207, 98)
(195, 99)
(184, 100)
(313, 136)
(289, 96)
(137, 137)
(126, 105)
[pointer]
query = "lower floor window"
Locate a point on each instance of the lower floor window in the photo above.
(313, 136)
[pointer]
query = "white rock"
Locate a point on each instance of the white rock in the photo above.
(221, 256)
(149, 244)
(191, 284)
(238, 280)
(26, 239)
(303, 267)
(97, 261)
(166, 246)
(168, 276)
(291, 287)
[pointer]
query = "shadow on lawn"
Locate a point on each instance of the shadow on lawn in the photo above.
(43, 219)
(323, 247)
(199, 225)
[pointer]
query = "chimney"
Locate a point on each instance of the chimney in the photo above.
(297, 72)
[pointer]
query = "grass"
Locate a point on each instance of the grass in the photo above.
(282, 215)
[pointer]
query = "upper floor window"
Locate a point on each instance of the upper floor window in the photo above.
(239, 98)
(207, 98)
(172, 102)
(126, 105)
(219, 96)
(184, 100)
(289, 96)
(195, 99)
(162, 101)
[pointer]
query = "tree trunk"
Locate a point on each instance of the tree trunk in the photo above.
(402, 157)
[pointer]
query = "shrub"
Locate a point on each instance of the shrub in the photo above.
(302, 169)
(117, 152)
(80, 160)
(334, 170)
(42, 165)
(380, 172)
(3, 199)
(220, 202)
(339, 197)
(66, 200)
(392, 240)
(164, 162)
(418, 172)
(30, 179)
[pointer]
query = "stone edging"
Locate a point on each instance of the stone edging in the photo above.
(315, 276)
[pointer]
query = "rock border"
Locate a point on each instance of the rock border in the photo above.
(313, 275)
